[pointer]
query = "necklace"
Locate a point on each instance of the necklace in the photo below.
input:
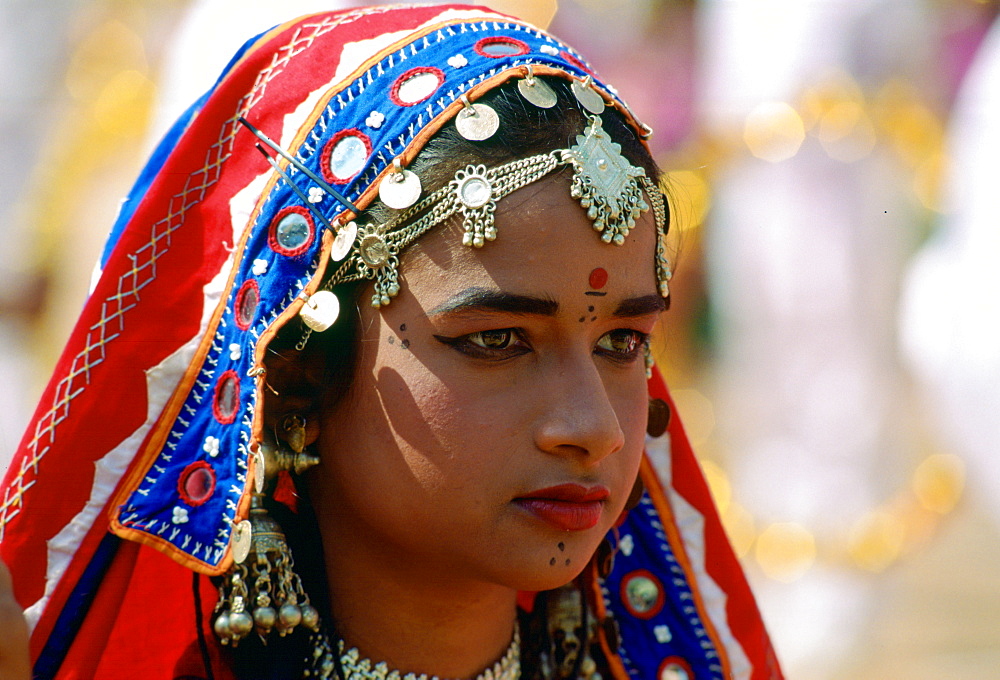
(357, 667)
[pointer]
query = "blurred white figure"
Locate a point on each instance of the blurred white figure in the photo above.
(805, 249)
(950, 319)
(209, 34)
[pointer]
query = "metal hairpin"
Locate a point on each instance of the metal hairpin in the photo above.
(298, 192)
(299, 166)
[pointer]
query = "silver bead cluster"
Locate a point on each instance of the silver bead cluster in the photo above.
(262, 593)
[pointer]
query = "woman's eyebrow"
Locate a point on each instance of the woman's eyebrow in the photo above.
(486, 299)
(640, 306)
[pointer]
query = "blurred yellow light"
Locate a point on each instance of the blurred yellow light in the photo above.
(697, 413)
(739, 526)
(938, 482)
(836, 89)
(718, 484)
(876, 540)
(774, 131)
(928, 181)
(123, 104)
(690, 196)
(914, 130)
(111, 48)
(846, 132)
(785, 551)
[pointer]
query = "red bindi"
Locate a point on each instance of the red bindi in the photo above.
(598, 278)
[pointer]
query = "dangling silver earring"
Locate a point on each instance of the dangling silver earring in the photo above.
(262, 592)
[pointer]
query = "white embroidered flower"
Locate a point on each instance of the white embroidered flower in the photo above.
(259, 267)
(550, 49)
(235, 352)
(375, 119)
(626, 545)
(662, 634)
(316, 194)
(211, 446)
(180, 515)
(458, 61)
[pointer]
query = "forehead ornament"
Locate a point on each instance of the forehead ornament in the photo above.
(608, 187)
(401, 188)
(605, 183)
(588, 97)
(476, 122)
(536, 91)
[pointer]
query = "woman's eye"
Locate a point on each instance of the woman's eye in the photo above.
(493, 345)
(622, 342)
(494, 339)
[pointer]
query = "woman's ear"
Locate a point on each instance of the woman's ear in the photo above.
(293, 387)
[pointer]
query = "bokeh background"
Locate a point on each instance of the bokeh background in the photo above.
(834, 338)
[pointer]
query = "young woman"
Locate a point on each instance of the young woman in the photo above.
(364, 386)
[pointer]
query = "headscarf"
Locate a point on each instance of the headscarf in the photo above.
(136, 464)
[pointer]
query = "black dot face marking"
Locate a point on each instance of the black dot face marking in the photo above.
(402, 327)
(552, 562)
(405, 344)
(590, 308)
(582, 319)
(567, 561)
(593, 318)
(562, 546)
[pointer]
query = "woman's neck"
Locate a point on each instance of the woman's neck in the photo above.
(416, 621)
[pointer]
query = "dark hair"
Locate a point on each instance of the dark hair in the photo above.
(525, 130)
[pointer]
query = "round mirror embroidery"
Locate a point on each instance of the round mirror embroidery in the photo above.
(642, 594)
(227, 398)
(674, 668)
(497, 47)
(196, 483)
(245, 308)
(293, 231)
(416, 85)
(346, 155)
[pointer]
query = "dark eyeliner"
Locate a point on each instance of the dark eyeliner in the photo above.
(462, 344)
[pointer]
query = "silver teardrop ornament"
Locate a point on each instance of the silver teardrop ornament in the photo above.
(241, 541)
(320, 310)
(588, 96)
(400, 190)
(343, 241)
(477, 122)
(537, 92)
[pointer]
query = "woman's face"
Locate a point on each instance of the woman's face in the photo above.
(496, 420)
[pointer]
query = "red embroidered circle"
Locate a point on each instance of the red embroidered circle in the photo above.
(416, 85)
(345, 155)
(497, 47)
(245, 306)
(674, 668)
(576, 62)
(226, 403)
(196, 483)
(598, 278)
(642, 594)
(292, 231)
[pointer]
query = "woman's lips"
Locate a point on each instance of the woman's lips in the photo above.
(567, 507)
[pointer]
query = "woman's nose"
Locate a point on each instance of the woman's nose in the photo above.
(576, 414)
